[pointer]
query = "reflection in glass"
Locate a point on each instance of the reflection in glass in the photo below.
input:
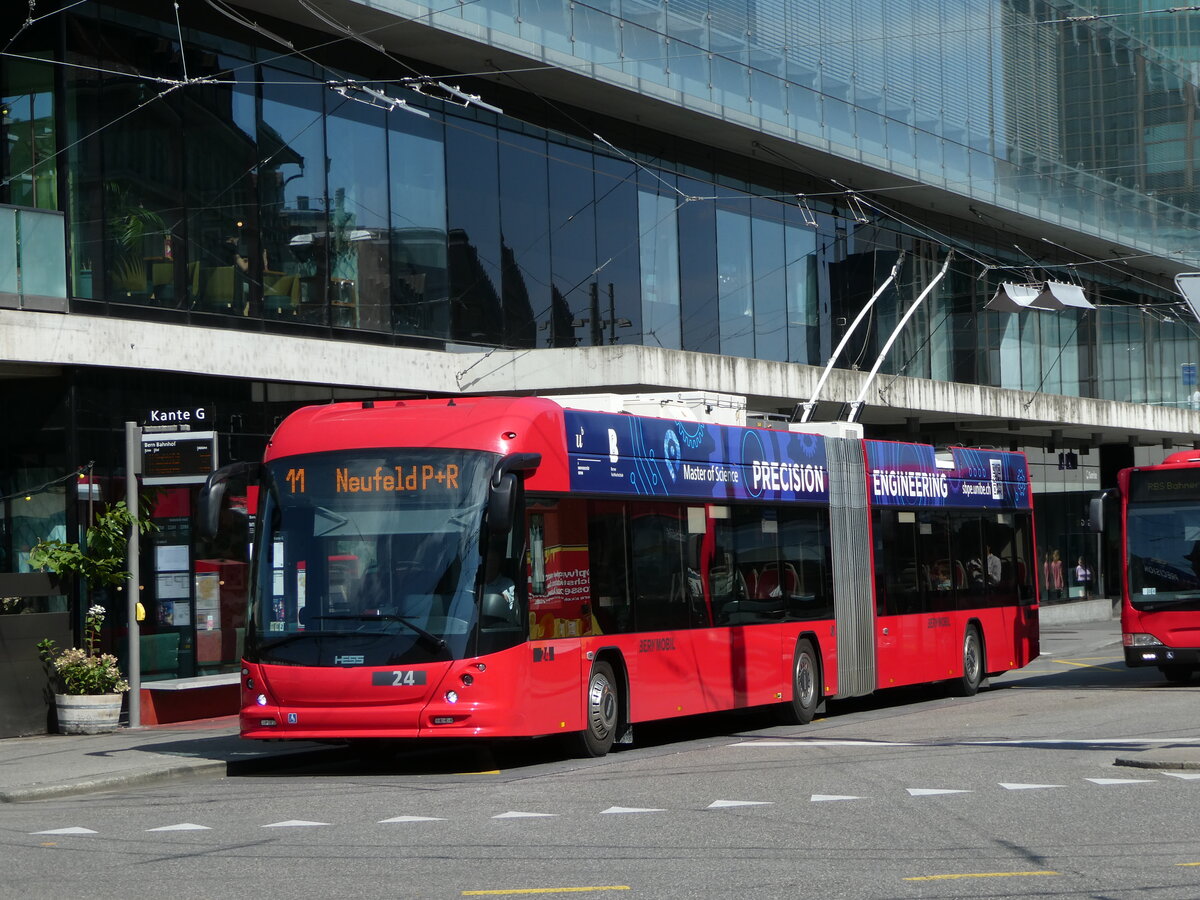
(291, 184)
(417, 169)
(660, 268)
(734, 283)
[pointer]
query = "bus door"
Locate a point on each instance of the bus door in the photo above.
(559, 589)
(914, 597)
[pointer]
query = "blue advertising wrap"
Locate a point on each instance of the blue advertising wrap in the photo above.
(620, 454)
(647, 457)
(908, 475)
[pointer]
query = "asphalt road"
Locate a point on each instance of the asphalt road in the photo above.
(912, 794)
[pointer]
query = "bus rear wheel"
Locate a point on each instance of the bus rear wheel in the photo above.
(602, 712)
(972, 676)
(1176, 674)
(806, 690)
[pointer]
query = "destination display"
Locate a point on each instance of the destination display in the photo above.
(1167, 484)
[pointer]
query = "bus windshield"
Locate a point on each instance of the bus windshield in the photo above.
(368, 558)
(1164, 555)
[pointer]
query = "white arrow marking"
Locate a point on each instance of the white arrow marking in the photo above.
(1190, 776)
(182, 826)
(1008, 786)
(523, 815)
(628, 809)
(724, 804)
(75, 830)
(1120, 780)
(825, 798)
(410, 819)
(929, 792)
(294, 823)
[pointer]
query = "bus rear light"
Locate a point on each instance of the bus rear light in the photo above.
(1140, 640)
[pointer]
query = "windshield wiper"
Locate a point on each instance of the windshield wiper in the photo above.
(366, 617)
(285, 639)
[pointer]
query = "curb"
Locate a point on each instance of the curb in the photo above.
(107, 782)
(137, 777)
(1156, 763)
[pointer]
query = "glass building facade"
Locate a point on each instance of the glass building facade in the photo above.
(635, 172)
(266, 194)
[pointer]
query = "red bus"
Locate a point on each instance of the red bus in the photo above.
(516, 567)
(1160, 564)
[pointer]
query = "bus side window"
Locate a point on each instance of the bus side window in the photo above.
(611, 610)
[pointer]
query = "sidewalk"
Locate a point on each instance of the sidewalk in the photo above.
(56, 765)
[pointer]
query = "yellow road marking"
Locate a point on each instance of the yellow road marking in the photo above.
(484, 772)
(1067, 662)
(560, 890)
(1187, 864)
(978, 875)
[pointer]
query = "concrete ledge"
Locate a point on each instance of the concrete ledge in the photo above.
(183, 699)
(1099, 610)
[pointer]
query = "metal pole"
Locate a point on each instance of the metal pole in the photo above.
(133, 448)
(811, 404)
(857, 405)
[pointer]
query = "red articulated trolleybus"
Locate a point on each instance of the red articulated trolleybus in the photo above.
(1160, 564)
(506, 567)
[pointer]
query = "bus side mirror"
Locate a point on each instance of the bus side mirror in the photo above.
(1095, 521)
(212, 495)
(502, 492)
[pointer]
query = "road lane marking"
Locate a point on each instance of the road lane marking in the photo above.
(1009, 786)
(182, 826)
(932, 792)
(295, 823)
(829, 798)
(560, 890)
(514, 814)
(822, 743)
(401, 819)
(1120, 780)
(725, 804)
(621, 810)
(1083, 665)
(1187, 864)
(980, 875)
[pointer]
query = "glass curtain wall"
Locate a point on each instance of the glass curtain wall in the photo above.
(266, 195)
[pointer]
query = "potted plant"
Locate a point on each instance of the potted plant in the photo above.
(88, 683)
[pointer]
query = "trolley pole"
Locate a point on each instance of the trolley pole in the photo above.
(133, 449)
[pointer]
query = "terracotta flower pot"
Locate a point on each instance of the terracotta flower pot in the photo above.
(88, 713)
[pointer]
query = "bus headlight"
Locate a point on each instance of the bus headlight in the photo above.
(451, 696)
(262, 699)
(1140, 640)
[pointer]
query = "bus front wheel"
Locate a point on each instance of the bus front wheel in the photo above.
(602, 712)
(806, 686)
(972, 676)
(1176, 674)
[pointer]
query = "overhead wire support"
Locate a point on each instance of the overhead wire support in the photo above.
(804, 410)
(360, 93)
